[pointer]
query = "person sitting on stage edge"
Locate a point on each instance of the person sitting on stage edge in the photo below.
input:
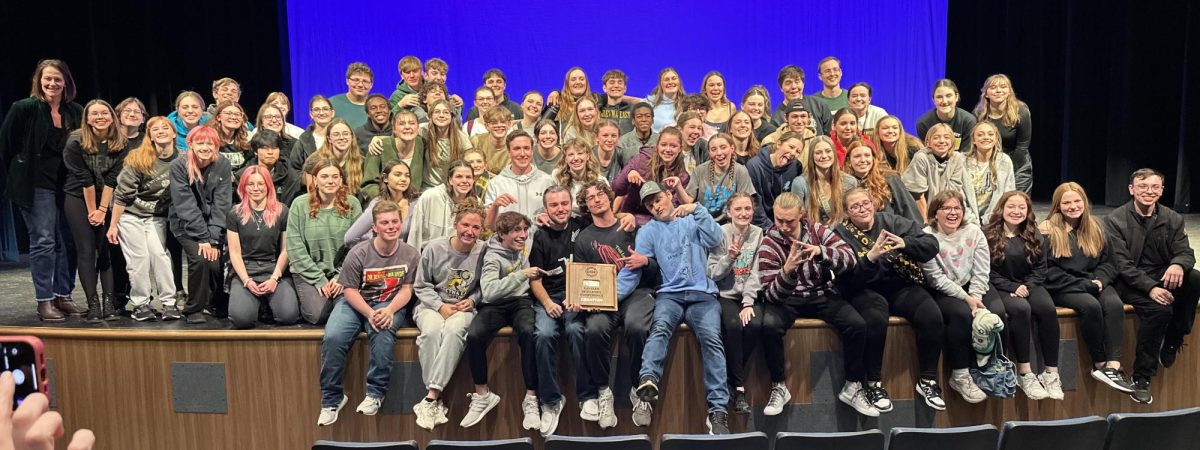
(378, 278)
(504, 282)
(681, 238)
(448, 289)
(1154, 259)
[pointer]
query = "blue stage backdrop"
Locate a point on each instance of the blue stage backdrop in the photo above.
(899, 47)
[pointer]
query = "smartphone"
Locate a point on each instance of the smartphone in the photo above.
(23, 356)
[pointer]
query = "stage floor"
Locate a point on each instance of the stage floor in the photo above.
(17, 306)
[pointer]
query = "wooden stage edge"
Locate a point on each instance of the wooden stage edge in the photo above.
(119, 383)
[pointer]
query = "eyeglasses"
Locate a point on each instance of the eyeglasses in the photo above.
(951, 209)
(480, 99)
(359, 81)
(860, 206)
(1148, 187)
(272, 117)
(131, 111)
(232, 114)
(321, 109)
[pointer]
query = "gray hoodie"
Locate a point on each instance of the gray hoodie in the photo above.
(733, 275)
(445, 276)
(502, 277)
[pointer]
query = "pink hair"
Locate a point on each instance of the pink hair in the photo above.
(200, 133)
(273, 206)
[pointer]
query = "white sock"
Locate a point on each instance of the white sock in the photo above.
(960, 373)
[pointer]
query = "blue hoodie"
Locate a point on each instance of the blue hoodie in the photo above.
(681, 247)
(769, 182)
(181, 130)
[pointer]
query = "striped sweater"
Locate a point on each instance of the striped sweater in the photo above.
(812, 278)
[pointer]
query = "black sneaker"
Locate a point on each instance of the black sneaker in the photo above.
(932, 393)
(718, 423)
(647, 391)
(171, 313)
(144, 313)
(740, 405)
(1170, 349)
(1113, 378)
(1141, 392)
(878, 397)
(195, 318)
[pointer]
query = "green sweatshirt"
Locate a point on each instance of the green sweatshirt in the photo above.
(313, 243)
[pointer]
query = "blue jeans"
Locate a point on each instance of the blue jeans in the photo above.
(702, 312)
(546, 330)
(51, 249)
(340, 333)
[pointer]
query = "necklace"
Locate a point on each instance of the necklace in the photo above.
(258, 219)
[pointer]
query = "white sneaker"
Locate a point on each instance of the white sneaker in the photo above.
(589, 410)
(479, 407)
(608, 415)
(1032, 387)
(852, 394)
(642, 411)
(550, 415)
(426, 412)
(369, 406)
(329, 415)
(961, 382)
(1053, 384)
(533, 416)
(442, 410)
(778, 398)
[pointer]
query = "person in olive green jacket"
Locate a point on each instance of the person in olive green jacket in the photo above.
(405, 144)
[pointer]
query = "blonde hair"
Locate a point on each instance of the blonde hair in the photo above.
(832, 175)
(996, 149)
(901, 147)
(1090, 233)
(142, 158)
(1011, 108)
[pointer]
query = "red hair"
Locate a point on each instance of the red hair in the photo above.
(271, 212)
(200, 133)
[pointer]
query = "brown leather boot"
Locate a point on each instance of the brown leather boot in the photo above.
(48, 313)
(68, 306)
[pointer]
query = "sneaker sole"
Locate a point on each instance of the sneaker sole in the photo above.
(366, 413)
(648, 393)
(553, 427)
(482, 413)
(1140, 402)
(1107, 382)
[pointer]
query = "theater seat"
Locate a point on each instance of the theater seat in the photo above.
(1179, 429)
(858, 440)
(1082, 433)
(741, 441)
(636, 442)
(978, 437)
(335, 445)
(499, 444)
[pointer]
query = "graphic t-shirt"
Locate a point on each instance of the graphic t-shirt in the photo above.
(377, 277)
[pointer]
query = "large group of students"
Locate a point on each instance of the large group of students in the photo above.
(400, 210)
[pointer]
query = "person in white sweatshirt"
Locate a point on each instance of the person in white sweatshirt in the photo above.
(520, 185)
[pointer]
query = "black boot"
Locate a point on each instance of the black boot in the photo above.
(109, 305)
(94, 312)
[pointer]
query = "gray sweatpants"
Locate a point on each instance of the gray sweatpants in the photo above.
(243, 306)
(143, 242)
(440, 345)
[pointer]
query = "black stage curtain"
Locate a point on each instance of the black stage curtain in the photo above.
(148, 49)
(1112, 86)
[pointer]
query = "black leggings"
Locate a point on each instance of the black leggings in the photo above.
(914, 304)
(517, 312)
(1024, 313)
(1101, 321)
(739, 340)
(956, 315)
(93, 252)
(205, 280)
(861, 325)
